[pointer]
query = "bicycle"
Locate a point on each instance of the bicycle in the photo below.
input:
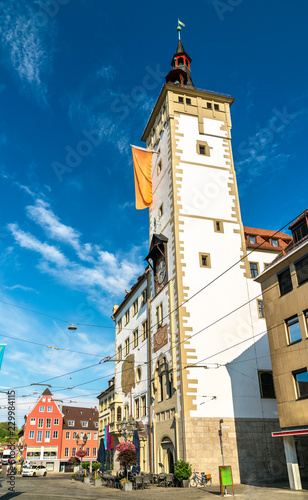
(202, 480)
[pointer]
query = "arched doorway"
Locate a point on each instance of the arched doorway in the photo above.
(167, 454)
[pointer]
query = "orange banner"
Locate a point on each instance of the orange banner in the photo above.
(142, 160)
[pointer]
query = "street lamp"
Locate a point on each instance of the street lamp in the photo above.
(127, 428)
(82, 444)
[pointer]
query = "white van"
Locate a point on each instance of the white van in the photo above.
(6, 455)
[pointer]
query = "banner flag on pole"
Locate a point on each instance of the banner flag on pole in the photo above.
(142, 160)
(2, 347)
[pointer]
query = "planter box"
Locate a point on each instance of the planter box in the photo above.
(86, 480)
(97, 482)
(185, 483)
(127, 486)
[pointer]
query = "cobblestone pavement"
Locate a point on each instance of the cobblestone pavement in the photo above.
(60, 486)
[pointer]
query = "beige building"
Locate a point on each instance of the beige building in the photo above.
(106, 418)
(285, 294)
(105, 399)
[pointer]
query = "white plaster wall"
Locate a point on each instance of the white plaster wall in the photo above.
(140, 352)
(234, 387)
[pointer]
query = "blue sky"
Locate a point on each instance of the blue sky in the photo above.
(71, 240)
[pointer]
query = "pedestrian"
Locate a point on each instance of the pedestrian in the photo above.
(8, 469)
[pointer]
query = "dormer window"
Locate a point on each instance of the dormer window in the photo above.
(84, 423)
(300, 231)
(71, 423)
(275, 242)
(252, 239)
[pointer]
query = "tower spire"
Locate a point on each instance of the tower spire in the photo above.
(180, 74)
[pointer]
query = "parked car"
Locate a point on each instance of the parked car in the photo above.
(34, 470)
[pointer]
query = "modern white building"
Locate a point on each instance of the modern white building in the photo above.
(193, 363)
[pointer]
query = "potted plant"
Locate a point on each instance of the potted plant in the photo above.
(182, 472)
(127, 457)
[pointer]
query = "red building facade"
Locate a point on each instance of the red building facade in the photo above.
(53, 433)
(43, 433)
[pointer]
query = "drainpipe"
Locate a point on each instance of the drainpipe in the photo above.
(149, 371)
(173, 354)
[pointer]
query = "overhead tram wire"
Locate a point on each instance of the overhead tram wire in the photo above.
(180, 305)
(219, 276)
(167, 315)
(51, 347)
(215, 279)
(175, 345)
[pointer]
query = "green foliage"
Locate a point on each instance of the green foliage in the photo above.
(96, 465)
(7, 433)
(73, 476)
(182, 470)
(86, 465)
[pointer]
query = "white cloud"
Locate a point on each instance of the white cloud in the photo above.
(28, 45)
(21, 287)
(261, 151)
(27, 240)
(106, 72)
(102, 275)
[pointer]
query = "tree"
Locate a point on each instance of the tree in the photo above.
(8, 433)
(127, 454)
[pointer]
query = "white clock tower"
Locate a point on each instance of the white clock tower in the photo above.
(216, 345)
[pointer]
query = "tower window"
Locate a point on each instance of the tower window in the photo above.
(216, 107)
(205, 260)
(209, 105)
(188, 101)
(218, 226)
(203, 148)
(160, 211)
(181, 99)
(180, 60)
(159, 168)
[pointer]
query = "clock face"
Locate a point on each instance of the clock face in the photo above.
(161, 272)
